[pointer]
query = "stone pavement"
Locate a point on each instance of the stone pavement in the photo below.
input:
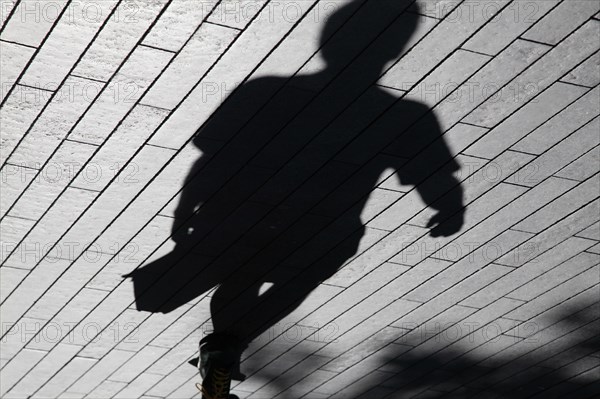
(101, 99)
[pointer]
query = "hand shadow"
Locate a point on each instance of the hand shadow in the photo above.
(273, 206)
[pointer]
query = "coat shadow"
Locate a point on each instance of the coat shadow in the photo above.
(272, 208)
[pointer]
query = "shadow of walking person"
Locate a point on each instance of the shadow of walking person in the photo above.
(273, 206)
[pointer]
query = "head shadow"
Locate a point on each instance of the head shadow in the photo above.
(291, 171)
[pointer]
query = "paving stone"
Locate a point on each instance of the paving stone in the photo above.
(316, 378)
(595, 249)
(582, 168)
(451, 73)
(17, 335)
(184, 325)
(117, 39)
(557, 128)
(542, 342)
(486, 83)
(581, 372)
(45, 369)
(503, 218)
(441, 284)
(507, 25)
(354, 375)
(150, 201)
(441, 347)
(20, 109)
(525, 120)
(31, 288)
(96, 321)
(554, 296)
(554, 277)
(445, 299)
(113, 156)
(14, 60)
(125, 88)
(560, 208)
(361, 289)
(114, 103)
(377, 254)
(63, 329)
(480, 210)
(168, 384)
(561, 21)
(537, 78)
(179, 353)
(138, 363)
(14, 180)
(72, 395)
(592, 232)
(19, 366)
(493, 343)
(66, 287)
(126, 257)
(287, 369)
(562, 154)
(10, 278)
(65, 377)
(55, 59)
(13, 230)
(32, 20)
(445, 326)
(345, 335)
(107, 389)
(51, 227)
(370, 345)
(479, 176)
(177, 23)
(587, 73)
(123, 330)
(53, 179)
(527, 272)
(110, 202)
(64, 110)
(438, 44)
(190, 65)
(100, 371)
(553, 236)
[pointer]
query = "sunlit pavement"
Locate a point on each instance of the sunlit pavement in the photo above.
(100, 100)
